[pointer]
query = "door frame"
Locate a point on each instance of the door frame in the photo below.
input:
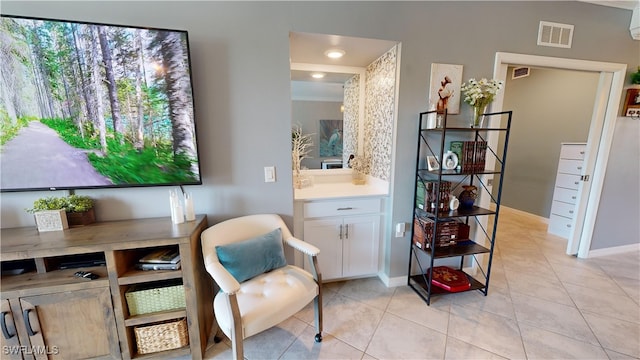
(600, 137)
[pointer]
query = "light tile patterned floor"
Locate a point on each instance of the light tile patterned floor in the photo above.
(542, 304)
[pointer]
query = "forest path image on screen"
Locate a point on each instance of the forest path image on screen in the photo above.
(49, 161)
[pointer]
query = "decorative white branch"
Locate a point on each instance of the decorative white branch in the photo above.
(300, 148)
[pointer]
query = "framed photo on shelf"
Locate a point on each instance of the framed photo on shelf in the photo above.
(444, 90)
(632, 103)
(432, 163)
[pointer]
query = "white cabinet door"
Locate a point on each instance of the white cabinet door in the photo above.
(360, 245)
(325, 235)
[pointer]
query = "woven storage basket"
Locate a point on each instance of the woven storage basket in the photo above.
(160, 337)
(145, 300)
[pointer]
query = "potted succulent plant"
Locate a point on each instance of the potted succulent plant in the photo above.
(58, 213)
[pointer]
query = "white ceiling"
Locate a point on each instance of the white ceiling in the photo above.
(622, 4)
(360, 52)
(309, 48)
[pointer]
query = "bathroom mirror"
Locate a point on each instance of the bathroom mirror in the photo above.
(330, 110)
(318, 105)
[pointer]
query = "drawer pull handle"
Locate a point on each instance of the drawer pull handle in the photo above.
(346, 233)
(579, 167)
(577, 182)
(581, 152)
(3, 324)
(573, 197)
(568, 225)
(27, 322)
(345, 208)
(340, 231)
(570, 211)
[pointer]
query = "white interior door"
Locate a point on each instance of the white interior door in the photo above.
(593, 143)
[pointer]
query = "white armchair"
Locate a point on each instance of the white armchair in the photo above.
(246, 307)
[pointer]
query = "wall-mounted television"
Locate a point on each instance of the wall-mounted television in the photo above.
(89, 105)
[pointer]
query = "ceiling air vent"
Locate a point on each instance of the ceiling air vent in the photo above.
(555, 34)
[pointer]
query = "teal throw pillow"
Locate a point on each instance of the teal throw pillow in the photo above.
(248, 258)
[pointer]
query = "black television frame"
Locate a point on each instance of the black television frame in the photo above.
(193, 121)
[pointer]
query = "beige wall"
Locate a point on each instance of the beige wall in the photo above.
(550, 106)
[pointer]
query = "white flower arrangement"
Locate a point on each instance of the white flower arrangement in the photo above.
(359, 169)
(357, 164)
(480, 93)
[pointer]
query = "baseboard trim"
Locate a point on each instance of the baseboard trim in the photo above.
(524, 213)
(613, 250)
(392, 282)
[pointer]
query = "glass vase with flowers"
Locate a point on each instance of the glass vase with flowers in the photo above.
(479, 94)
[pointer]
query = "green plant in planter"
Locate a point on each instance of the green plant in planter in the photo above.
(71, 203)
(635, 77)
(79, 203)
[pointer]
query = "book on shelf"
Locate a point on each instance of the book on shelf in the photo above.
(471, 155)
(479, 156)
(468, 154)
(449, 279)
(427, 195)
(158, 266)
(162, 256)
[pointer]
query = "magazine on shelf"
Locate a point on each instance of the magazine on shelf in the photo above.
(162, 256)
(149, 266)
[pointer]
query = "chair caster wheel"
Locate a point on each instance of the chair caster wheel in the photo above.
(318, 337)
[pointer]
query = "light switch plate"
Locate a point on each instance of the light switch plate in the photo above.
(401, 228)
(269, 174)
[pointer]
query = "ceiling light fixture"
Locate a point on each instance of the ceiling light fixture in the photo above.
(317, 75)
(334, 53)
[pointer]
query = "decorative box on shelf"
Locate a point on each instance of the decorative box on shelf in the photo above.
(449, 279)
(162, 336)
(449, 232)
(51, 220)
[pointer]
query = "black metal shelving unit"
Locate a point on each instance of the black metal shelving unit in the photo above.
(432, 142)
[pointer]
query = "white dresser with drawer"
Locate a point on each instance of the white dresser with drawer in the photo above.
(565, 192)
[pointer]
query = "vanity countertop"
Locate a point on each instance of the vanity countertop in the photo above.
(339, 186)
(337, 190)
